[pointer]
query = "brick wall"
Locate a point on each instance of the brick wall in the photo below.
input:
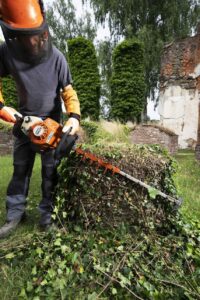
(148, 134)
(179, 94)
(180, 63)
(6, 143)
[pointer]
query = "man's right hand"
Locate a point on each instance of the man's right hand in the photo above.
(8, 113)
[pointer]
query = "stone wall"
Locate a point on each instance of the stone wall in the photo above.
(180, 88)
(6, 142)
(150, 134)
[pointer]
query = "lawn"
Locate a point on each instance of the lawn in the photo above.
(34, 193)
(187, 181)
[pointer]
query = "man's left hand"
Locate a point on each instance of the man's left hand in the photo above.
(9, 114)
(72, 125)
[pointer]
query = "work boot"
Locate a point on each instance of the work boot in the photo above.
(45, 221)
(8, 227)
(50, 227)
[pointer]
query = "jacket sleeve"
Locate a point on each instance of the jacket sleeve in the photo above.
(71, 102)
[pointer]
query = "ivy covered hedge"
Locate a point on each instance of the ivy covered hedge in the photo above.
(9, 91)
(128, 88)
(83, 64)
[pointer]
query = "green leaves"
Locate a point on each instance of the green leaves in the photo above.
(153, 192)
(10, 255)
(9, 92)
(128, 89)
(64, 23)
(83, 65)
(86, 264)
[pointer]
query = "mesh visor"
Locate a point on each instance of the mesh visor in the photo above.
(28, 45)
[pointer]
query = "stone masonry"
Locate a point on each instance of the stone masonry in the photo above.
(180, 89)
(152, 134)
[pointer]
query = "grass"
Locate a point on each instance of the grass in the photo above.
(34, 192)
(187, 180)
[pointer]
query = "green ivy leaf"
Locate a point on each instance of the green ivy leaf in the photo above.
(10, 255)
(39, 251)
(34, 270)
(114, 291)
(153, 192)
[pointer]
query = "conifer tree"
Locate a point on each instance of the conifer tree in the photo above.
(83, 64)
(128, 83)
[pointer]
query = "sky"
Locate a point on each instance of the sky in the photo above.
(102, 33)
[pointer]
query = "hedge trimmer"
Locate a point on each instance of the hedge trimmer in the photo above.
(48, 133)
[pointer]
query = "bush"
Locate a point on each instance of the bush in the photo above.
(83, 65)
(128, 87)
(9, 92)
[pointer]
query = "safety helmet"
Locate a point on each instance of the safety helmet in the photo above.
(19, 18)
(20, 15)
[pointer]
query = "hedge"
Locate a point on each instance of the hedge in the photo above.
(128, 82)
(9, 91)
(84, 69)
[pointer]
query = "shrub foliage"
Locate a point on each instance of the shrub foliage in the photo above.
(128, 87)
(83, 65)
(9, 91)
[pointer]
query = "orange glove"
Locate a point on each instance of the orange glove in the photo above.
(8, 113)
(72, 125)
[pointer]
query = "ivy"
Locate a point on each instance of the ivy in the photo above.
(112, 264)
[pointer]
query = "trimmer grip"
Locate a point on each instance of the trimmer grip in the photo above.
(65, 146)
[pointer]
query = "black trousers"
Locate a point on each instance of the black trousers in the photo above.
(23, 161)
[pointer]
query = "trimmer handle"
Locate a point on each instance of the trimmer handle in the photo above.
(65, 145)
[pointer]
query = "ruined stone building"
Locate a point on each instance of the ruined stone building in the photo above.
(180, 89)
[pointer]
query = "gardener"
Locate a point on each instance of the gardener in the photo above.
(42, 75)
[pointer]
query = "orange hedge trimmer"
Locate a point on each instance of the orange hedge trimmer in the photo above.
(48, 134)
(115, 170)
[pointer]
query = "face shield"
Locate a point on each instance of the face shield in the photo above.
(32, 46)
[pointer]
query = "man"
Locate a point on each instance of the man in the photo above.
(42, 75)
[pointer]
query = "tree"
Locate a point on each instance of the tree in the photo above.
(64, 25)
(154, 22)
(128, 83)
(104, 51)
(83, 64)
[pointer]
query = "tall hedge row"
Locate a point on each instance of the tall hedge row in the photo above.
(84, 68)
(9, 91)
(128, 81)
